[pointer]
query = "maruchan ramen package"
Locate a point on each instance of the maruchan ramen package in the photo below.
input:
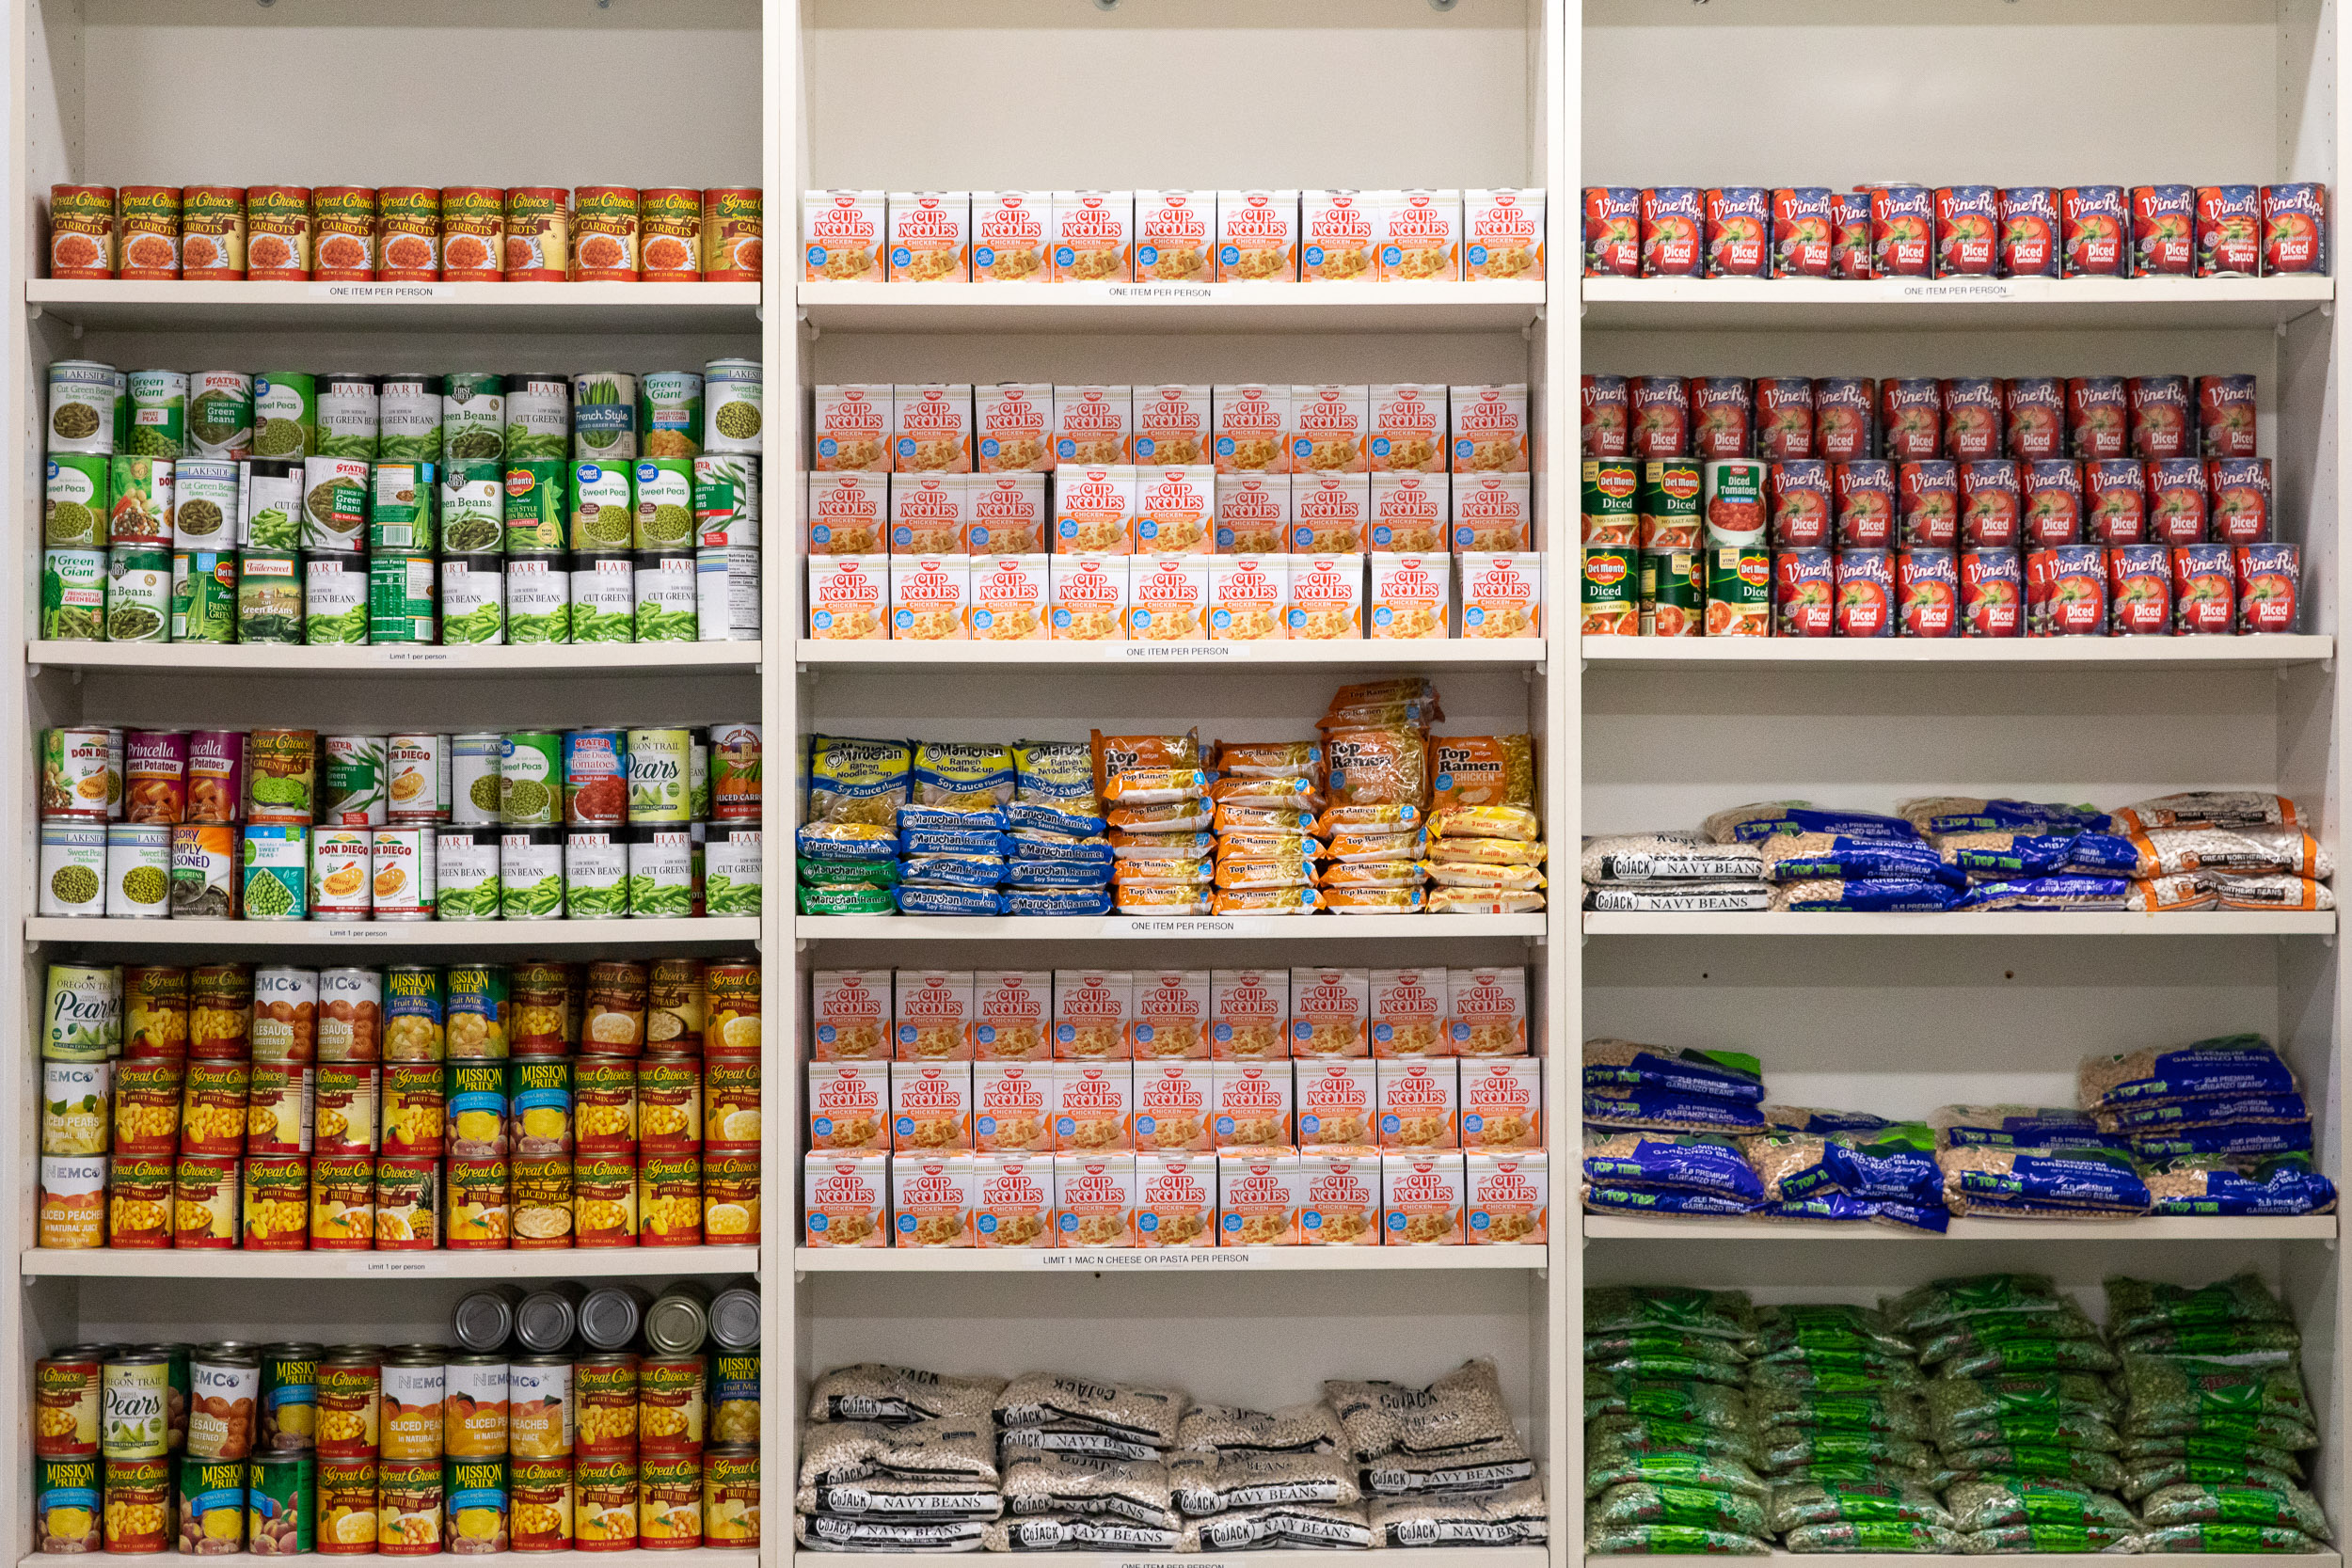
(962, 775)
(858, 781)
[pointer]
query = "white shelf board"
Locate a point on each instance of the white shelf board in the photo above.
(703, 1557)
(1499, 653)
(1949, 304)
(441, 1263)
(1237, 307)
(245, 658)
(373, 935)
(2038, 1559)
(2015, 923)
(1120, 927)
(1619, 1227)
(1749, 653)
(1254, 1260)
(1409, 1557)
(537, 308)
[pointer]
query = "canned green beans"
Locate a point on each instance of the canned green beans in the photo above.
(530, 871)
(467, 871)
(74, 595)
(473, 419)
(335, 599)
(604, 415)
(403, 500)
(138, 594)
(538, 599)
(269, 597)
(596, 873)
(474, 504)
(206, 512)
(726, 500)
(408, 419)
(347, 416)
(665, 591)
(82, 401)
(538, 416)
(534, 506)
(271, 504)
(400, 597)
(220, 414)
(334, 503)
(473, 599)
(203, 596)
(604, 598)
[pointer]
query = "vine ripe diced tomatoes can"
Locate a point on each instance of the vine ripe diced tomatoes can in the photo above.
(1734, 495)
(1849, 234)
(1967, 230)
(2176, 500)
(2034, 409)
(2225, 416)
(1722, 416)
(2094, 226)
(1865, 594)
(1801, 497)
(2160, 416)
(1783, 416)
(1608, 495)
(2029, 232)
(1866, 504)
(1666, 503)
(2204, 589)
(1804, 593)
(1992, 501)
(1670, 595)
(1674, 219)
(1738, 231)
(2294, 229)
(2164, 230)
(1911, 412)
(2239, 488)
(2269, 578)
(1973, 406)
(1928, 504)
(1927, 585)
(2098, 415)
(1845, 417)
(2054, 502)
(1903, 231)
(1607, 421)
(2229, 232)
(1802, 234)
(2139, 590)
(1612, 231)
(1661, 416)
(2066, 591)
(1739, 591)
(1992, 588)
(2115, 502)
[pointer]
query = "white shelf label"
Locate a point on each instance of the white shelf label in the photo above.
(354, 933)
(1184, 926)
(1161, 294)
(398, 1263)
(417, 656)
(1148, 1257)
(1176, 650)
(1965, 289)
(398, 293)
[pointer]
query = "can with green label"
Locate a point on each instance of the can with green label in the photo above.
(335, 503)
(138, 594)
(352, 793)
(75, 495)
(473, 599)
(1666, 503)
(203, 596)
(535, 505)
(81, 406)
(205, 515)
(474, 504)
(661, 871)
(400, 597)
(1671, 591)
(269, 597)
(159, 413)
(285, 415)
(139, 493)
(731, 398)
(123, 413)
(409, 420)
(665, 503)
(404, 496)
(473, 419)
(220, 414)
(538, 416)
(660, 776)
(347, 412)
(277, 869)
(1739, 591)
(531, 779)
(670, 414)
(73, 595)
(270, 501)
(538, 599)
(281, 1490)
(726, 500)
(1610, 484)
(335, 599)
(603, 509)
(211, 1502)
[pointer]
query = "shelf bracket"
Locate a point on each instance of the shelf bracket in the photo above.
(32, 312)
(809, 327)
(1442, 7)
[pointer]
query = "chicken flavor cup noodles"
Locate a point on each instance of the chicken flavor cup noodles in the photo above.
(1492, 512)
(1167, 598)
(1927, 589)
(2269, 580)
(1326, 598)
(1423, 1197)
(846, 597)
(2054, 502)
(1738, 232)
(1412, 596)
(1247, 595)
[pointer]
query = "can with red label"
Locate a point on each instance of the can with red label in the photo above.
(1722, 416)
(2229, 232)
(1738, 592)
(1927, 505)
(2066, 591)
(1735, 501)
(2093, 232)
(1804, 593)
(1967, 230)
(1608, 426)
(1927, 586)
(2098, 415)
(2139, 590)
(1673, 218)
(1866, 504)
(2159, 416)
(2269, 580)
(2225, 416)
(1661, 416)
(2176, 500)
(2034, 409)
(1802, 232)
(1972, 416)
(2204, 589)
(2054, 503)
(2295, 230)
(1800, 502)
(2164, 230)
(2115, 501)
(1991, 501)
(1783, 416)
(1911, 412)
(1865, 594)
(1849, 234)
(1845, 417)
(1612, 231)
(1992, 591)
(1903, 231)
(2029, 233)
(2239, 491)
(1738, 231)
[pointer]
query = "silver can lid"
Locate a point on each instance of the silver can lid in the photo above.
(735, 1318)
(608, 1316)
(484, 1321)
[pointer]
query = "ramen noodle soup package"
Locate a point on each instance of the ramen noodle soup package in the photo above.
(1331, 429)
(849, 1107)
(1406, 1013)
(1094, 1200)
(1009, 600)
(1004, 515)
(1091, 1010)
(852, 429)
(1171, 1107)
(927, 598)
(930, 1015)
(863, 781)
(931, 1200)
(1010, 426)
(1340, 1195)
(841, 236)
(1508, 1197)
(1167, 598)
(1421, 1197)
(1468, 772)
(1329, 1012)
(1249, 1014)
(1416, 235)
(931, 1106)
(1409, 512)
(1249, 1103)
(1503, 1103)
(1335, 237)
(1090, 237)
(1009, 1010)
(1502, 236)
(931, 428)
(1174, 512)
(1419, 1104)
(847, 1199)
(849, 1015)
(1247, 595)
(1412, 596)
(846, 595)
(1088, 597)
(1012, 1107)
(1012, 1200)
(1257, 236)
(1254, 513)
(1502, 594)
(1330, 513)
(1171, 1015)
(1094, 509)
(1251, 429)
(1257, 1197)
(848, 514)
(1326, 598)
(1336, 1097)
(1175, 1200)
(927, 514)
(1173, 232)
(1486, 1011)
(1009, 236)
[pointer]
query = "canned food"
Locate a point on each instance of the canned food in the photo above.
(731, 992)
(415, 1387)
(139, 1504)
(541, 1202)
(1991, 501)
(539, 1503)
(224, 1387)
(474, 1410)
(277, 1110)
(285, 1007)
(735, 1394)
(2295, 230)
(731, 235)
(2054, 502)
(475, 1203)
(81, 245)
(414, 1110)
(350, 1402)
(473, 239)
(2269, 582)
(604, 1502)
(604, 1200)
(277, 1204)
(731, 1497)
(540, 1411)
(669, 1501)
(1903, 231)
(343, 1203)
(1928, 504)
(281, 1500)
(604, 1384)
(68, 1508)
(408, 1507)
(477, 1012)
(670, 1200)
(135, 1388)
(139, 1201)
(2095, 231)
(1927, 588)
(290, 1397)
(1673, 232)
(541, 1107)
(65, 1394)
(347, 1523)
(605, 233)
(213, 1109)
(2176, 500)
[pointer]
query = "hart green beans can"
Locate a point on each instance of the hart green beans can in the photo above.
(538, 416)
(73, 595)
(348, 415)
(75, 498)
(473, 599)
(603, 507)
(531, 779)
(400, 597)
(473, 419)
(467, 870)
(534, 506)
(661, 776)
(138, 594)
(207, 492)
(335, 599)
(159, 413)
(604, 598)
(401, 507)
(285, 415)
(220, 414)
(538, 599)
(409, 420)
(667, 593)
(270, 501)
(475, 798)
(269, 597)
(604, 415)
(203, 596)
(530, 873)
(596, 873)
(664, 503)
(670, 414)
(661, 871)
(474, 504)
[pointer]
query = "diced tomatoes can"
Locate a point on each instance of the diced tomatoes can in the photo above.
(1991, 501)
(1865, 594)
(1849, 234)
(1722, 416)
(1738, 231)
(1734, 495)
(1802, 502)
(1973, 409)
(2161, 416)
(2139, 590)
(2115, 502)
(1739, 591)
(2269, 587)
(2164, 230)
(2095, 231)
(1967, 230)
(1866, 504)
(1673, 229)
(2204, 589)
(1928, 504)
(2029, 233)
(1606, 425)
(2177, 501)
(1670, 595)
(1911, 413)
(2229, 232)
(1804, 593)
(2034, 410)
(2239, 489)
(2098, 415)
(1609, 515)
(1903, 231)
(1927, 586)
(2295, 230)
(2225, 416)
(2054, 502)
(1661, 416)
(1666, 503)
(1991, 593)
(2066, 591)
(1783, 417)
(1802, 238)
(1845, 417)
(1612, 231)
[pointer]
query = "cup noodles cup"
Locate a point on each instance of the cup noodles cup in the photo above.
(1326, 598)
(927, 598)
(1417, 1104)
(1845, 417)
(1249, 1014)
(2029, 233)
(1738, 232)
(2240, 491)
(1409, 512)
(2204, 589)
(1612, 231)
(1487, 429)
(846, 595)
(1802, 232)
(1992, 503)
(2225, 416)
(1405, 1013)
(1257, 237)
(1412, 596)
(1486, 1010)
(1606, 426)
(1991, 593)
(1009, 1012)
(926, 515)
(1417, 235)
(1339, 1196)
(1092, 1011)
(1005, 514)
(931, 428)
(1012, 1107)
(931, 1200)
(1171, 425)
(2295, 230)
(930, 1015)
(1251, 427)
(1502, 236)
(1092, 426)
(841, 236)
(1507, 1200)
(846, 514)
(1331, 429)
(1093, 509)
(854, 428)
(929, 237)
(931, 1106)
(1090, 237)
(1171, 1105)
(849, 1107)
(1170, 1015)
(2115, 502)
(2034, 409)
(1094, 1200)
(1174, 512)
(1175, 1200)
(847, 1199)
(1849, 234)
(1092, 1105)
(1246, 597)
(1492, 512)
(1927, 592)
(1173, 232)
(1503, 1103)
(1329, 513)
(1335, 237)
(1087, 595)
(1167, 598)
(1422, 1197)
(1009, 427)
(1335, 1101)
(1013, 1199)
(1502, 593)
(1249, 1104)
(849, 1015)
(1009, 236)
(1253, 514)
(1674, 225)
(1257, 1198)
(1406, 429)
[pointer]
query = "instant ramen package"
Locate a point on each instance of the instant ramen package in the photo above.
(1054, 790)
(962, 775)
(1470, 771)
(1115, 754)
(858, 781)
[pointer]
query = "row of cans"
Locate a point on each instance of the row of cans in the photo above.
(274, 1505)
(1933, 503)
(360, 1203)
(1902, 231)
(424, 1013)
(2059, 590)
(141, 593)
(1846, 417)
(453, 420)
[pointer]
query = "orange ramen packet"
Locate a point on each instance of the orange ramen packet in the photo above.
(1472, 771)
(1115, 754)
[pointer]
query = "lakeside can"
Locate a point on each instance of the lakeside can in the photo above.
(1967, 230)
(533, 507)
(1661, 414)
(83, 398)
(2164, 230)
(732, 393)
(1903, 231)
(138, 871)
(344, 220)
(278, 232)
(1738, 232)
(1612, 231)
(670, 235)
(2095, 231)
(1991, 593)
(207, 515)
(1992, 504)
(1739, 591)
(2295, 230)
(2029, 227)
(1927, 589)
(1927, 505)
(2269, 582)
(2229, 232)
(731, 234)
(1865, 594)
(409, 222)
(2239, 490)
(2115, 502)
(605, 233)
(1802, 234)
(2054, 503)
(1673, 232)
(1849, 234)
(82, 231)
(1605, 422)
(148, 217)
